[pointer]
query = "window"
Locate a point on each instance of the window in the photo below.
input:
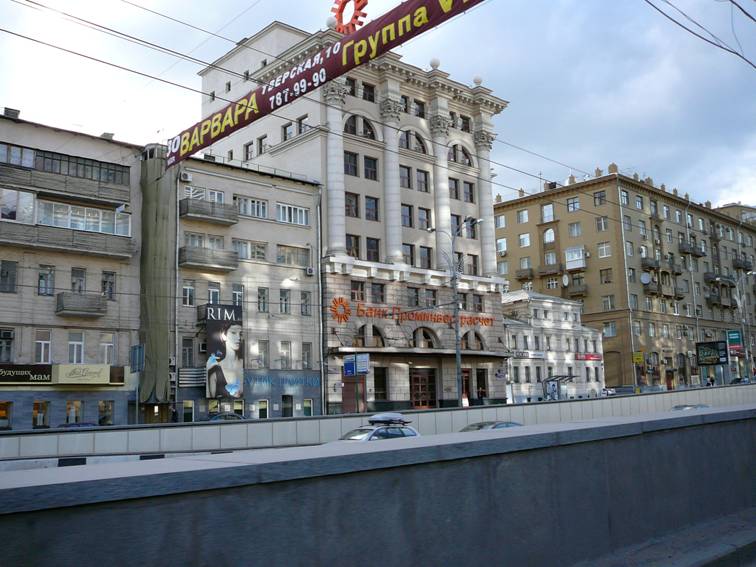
(8, 272)
(458, 154)
(550, 258)
(353, 245)
(633, 301)
(215, 242)
(575, 258)
(547, 212)
(24, 157)
(285, 352)
(502, 268)
(501, 246)
(78, 280)
(187, 293)
(524, 240)
(352, 205)
(607, 302)
(639, 202)
(423, 218)
(429, 296)
(651, 329)
(500, 221)
(468, 191)
(573, 204)
(292, 215)
(419, 108)
(631, 275)
(405, 103)
(75, 347)
(305, 303)
(107, 285)
(426, 257)
(629, 249)
(251, 207)
(292, 256)
(248, 250)
(6, 345)
(405, 177)
(610, 329)
(599, 198)
(471, 228)
(413, 296)
(522, 216)
(377, 293)
(302, 125)
(407, 216)
(74, 411)
(350, 164)
(472, 265)
(453, 188)
(284, 301)
(107, 348)
(237, 294)
(40, 415)
(213, 293)
(408, 251)
(357, 290)
(46, 280)
(422, 182)
(624, 198)
(42, 342)
(604, 249)
(456, 224)
(262, 145)
(187, 352)
(678, 216)
(84, 218)
(552, 283)
(262, 299)
(602, 224)
(371, 168)
(380, 389)
(606, 276)
(372, 249)
(549, 236)
(371, 209)
(576, 229)
(525, 262)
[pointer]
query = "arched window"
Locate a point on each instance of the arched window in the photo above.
(410, 140)
(359, 337)
(472, 341)
(377, 338)
(367, 130)
(350, 127)
(458, 154)
(548, 236)
(424, 338)
(359, 126)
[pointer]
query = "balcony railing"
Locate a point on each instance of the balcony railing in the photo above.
(649, 263)
(70, 304)
(550, 270)
(727, 280)
(675, 268)
(686, 248)
(577, 290)
(66, 240)
(208, 259)
(524, 274)
(651, 288)
(680, 292)
(668, 291)
(208, 211)
(741, 264)
(713, 299)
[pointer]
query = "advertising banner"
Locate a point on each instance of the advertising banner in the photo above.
(711, 353)
(406, 21)
(81, 374)
(735, 343)
(225, 351)
(25, 374)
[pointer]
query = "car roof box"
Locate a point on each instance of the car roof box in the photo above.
(388, 418)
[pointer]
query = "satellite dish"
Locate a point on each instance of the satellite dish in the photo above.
(565, 280)
(645, 278)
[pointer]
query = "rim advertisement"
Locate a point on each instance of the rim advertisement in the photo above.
(225, 351)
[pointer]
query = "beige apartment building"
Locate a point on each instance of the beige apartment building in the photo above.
(70, 231)
(403, 153)
(656, 272)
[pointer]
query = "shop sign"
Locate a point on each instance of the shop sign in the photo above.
(341, 311)
(529, 354)
(275, 380)
(409, 19)
(81, 374)
(711, 353)
(363, 363)
(25, 374)
(225, 347)
(638, 357)
(350, 365)
(735, 343)
(591, 356)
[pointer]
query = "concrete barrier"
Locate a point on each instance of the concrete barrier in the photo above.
(215, 436)
(549, 494)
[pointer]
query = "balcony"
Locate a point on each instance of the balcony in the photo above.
(727, 301)
(668, 291)
(208, 211)
(714, 236)
(654, 216)
(680, 292)
(524, 274)
(651, 288)
(577, 290)
(649, 264)
(71, 304)
(66, 240)
(741, 264)
(713, 299)
(686, 248)
(208, 259)
(727, 280)
(675, 268)
(550, 270)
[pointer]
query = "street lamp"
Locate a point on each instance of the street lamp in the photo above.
(454, 270)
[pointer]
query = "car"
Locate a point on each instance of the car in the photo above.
(227, 416)
(382, 426)
(80, 424)
(608, 392)
(744, 380)
(688, 407)
(490, 425)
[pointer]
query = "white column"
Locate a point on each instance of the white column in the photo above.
(439, 125)
(483, 142)
(334, 94)
(392, 196)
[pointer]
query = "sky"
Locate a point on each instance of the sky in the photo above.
(589, 82)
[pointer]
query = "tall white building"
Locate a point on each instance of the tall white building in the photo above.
(403, 154)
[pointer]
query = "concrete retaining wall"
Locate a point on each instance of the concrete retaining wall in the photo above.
(215, 436)
(550, 494)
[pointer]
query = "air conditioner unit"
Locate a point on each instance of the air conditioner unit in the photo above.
(309, 271)
(6, 334)
(185, 177)
(502, 253)
(203, 347)
(172, 361)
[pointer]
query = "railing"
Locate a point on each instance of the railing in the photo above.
(651, 288)
(524, 274)
(66, 240)
(577, 290)
(675, 268)
(550, 270)
(649, 263)
(668, 291)
(81, 304)
(741, 264)
(208, 258)
(209, 211)
(680, 292)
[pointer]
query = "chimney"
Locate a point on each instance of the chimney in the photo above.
(687, 197)
(648, 181)
(613, 168)
(674, 191)
(707, 204)
(498, 198)
(521, 192)
(663, 187)
(12, 113)
(107, 136)
(598, 172)
(636, 176)
(571, 180)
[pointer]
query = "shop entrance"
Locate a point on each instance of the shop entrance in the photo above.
(423, 388)
(353, 395)
(669, 377)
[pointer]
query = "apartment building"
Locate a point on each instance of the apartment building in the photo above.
(404, 156)
(549, 343)
(655, 271)
(224, 239)
(69, 275)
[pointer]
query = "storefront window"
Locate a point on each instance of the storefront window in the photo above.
(105, 412)
(188, 406)
(262, 409)
(41, 414)
(307, 408)
(5, 415)
(74, 411)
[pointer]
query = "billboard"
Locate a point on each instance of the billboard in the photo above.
(225, 351)
(25, 374)
(406, 21)
(711, 353)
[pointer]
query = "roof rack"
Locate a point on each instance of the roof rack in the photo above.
(389, 418)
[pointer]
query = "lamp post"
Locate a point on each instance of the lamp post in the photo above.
(454, 270)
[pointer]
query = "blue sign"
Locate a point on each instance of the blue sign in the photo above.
(350, 365)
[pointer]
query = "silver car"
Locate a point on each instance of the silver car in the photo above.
(382, 426)
(490, 425)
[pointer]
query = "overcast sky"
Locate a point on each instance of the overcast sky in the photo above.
(588, 81)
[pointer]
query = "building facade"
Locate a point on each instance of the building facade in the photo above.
(69, 277)
(655, 271)
(549, 343)
(221, 238)
(404, 156)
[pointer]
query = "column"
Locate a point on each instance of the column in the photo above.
(483, 142)
(392, 196)
(334, 94)
(439, 126)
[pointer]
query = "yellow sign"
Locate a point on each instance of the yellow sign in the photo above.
(81, 374)
(638, 357)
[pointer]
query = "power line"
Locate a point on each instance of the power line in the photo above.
(739, 7)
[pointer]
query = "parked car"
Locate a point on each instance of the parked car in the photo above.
(226, 416)
(608, 392)
(382, 426)
(80, 424)
(490, 425)
(744, 380)
(688, 407)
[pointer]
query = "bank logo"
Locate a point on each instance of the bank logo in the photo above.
(345, 24)
(340, 310)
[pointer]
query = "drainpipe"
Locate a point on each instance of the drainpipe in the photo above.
(690, 271)
(627, 283)
(176, 298)
(321, 323)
